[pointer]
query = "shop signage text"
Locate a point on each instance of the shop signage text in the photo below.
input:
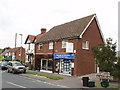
(63, 56)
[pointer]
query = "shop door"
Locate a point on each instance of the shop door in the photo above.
(43, 64)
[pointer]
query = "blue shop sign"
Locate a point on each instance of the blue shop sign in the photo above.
(63, 56)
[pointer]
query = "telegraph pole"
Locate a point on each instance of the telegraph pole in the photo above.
(15, 43)
(21, 47)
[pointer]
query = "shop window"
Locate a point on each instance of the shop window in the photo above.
(51, 45)
(40, 46)
(85, 45)
(64, 42)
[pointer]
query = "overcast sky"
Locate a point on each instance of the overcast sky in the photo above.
(29, 16)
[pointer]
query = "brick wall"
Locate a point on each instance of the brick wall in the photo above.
(23, 54)
(84, 61)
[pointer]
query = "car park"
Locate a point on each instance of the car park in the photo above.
(3, 65)
(15, 67)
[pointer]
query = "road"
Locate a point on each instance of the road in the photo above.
(10, 80)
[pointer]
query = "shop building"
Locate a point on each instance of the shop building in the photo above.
(67, 48)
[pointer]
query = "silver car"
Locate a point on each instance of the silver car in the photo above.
(15, 67)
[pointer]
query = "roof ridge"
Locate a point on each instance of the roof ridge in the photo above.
(72, 28)
(75, 20)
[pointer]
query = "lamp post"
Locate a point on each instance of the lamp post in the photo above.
(21, 47)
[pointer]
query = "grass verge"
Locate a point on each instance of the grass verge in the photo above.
(46, 75)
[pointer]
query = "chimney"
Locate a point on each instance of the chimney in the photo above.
(43, 30)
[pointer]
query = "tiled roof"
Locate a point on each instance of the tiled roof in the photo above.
(31, 38)
(14, 49)
(70, 29)
(6, 51)
(39, 36)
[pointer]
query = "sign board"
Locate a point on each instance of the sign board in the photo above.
(69, 47)
(7, 57)
(63, 56)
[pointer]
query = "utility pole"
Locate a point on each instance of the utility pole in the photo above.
(15, 39)
(21, 47)
(53, 70)
(15, 43)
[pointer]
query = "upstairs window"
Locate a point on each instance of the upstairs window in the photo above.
(40, 46)
(85, 45)
(51, 45)
(64, 42)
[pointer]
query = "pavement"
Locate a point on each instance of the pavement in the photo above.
(67, 82)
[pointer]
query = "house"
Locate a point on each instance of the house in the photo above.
(30, 46)
(66, 48)
(14, 53)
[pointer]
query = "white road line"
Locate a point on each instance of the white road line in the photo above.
(16, 85)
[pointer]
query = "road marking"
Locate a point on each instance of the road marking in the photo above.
(45, 82)
(16, 85)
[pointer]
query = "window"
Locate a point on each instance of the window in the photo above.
(40, 46)
(29, 46)
(85, 45)
(64, 42)
(51, 45)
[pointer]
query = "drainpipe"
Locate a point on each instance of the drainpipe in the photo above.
(53, 56)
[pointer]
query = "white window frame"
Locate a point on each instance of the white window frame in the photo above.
(39, 46)
(85, 45)
(50, 45)
(64, 43)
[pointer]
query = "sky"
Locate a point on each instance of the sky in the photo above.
(29, 16)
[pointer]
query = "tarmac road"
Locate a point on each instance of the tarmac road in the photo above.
(10, 80)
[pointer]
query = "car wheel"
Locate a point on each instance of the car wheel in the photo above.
(8, 71)
(13, 71)
(24, 71)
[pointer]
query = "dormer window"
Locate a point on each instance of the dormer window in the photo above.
(85, 45)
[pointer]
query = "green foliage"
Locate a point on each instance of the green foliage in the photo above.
(105, 55)
(46, 75)
(30, 67)
(1, 58)
(116, 71)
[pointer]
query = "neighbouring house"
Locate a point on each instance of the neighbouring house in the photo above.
(30, 46)
(66, 48)
(14, 54)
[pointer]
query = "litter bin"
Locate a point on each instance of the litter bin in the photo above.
(85, 81)
(91, 84)
(105, 84)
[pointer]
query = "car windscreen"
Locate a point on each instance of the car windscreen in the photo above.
(4, 63)
(17, 64)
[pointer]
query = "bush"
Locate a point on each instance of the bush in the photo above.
(30, 67)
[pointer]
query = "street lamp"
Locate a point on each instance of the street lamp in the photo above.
(21, 47)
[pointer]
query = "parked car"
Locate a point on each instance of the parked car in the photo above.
(3, 65)
(0, 62)
(15, 67)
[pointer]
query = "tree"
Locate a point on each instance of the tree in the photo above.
(105, 55)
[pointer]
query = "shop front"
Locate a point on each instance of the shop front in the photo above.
(64, 63)
(46, 64)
